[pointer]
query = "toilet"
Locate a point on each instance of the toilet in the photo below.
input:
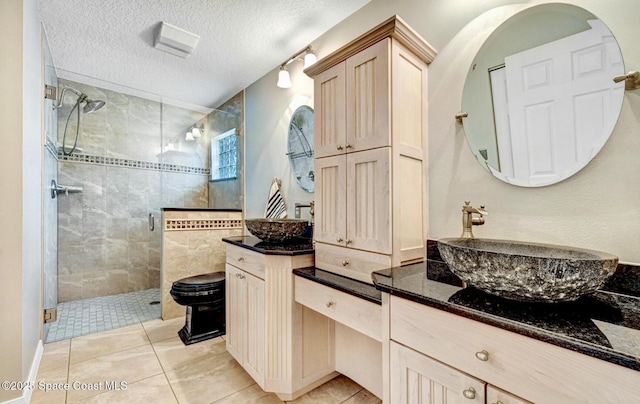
(204, 297)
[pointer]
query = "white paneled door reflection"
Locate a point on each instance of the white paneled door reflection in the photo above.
(554, 105)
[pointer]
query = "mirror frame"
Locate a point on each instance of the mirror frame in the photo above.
(300, 138)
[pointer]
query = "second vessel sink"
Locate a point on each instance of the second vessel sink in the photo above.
(527, 271)
(276, 230)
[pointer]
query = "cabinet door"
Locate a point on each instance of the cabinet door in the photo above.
(329, 115)
(254, 357)
(369, 200)
(331, 189)
(497, 396)
(416, 378)
(236, 297)
(368, 98)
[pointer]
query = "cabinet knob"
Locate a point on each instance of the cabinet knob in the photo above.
(241, 276)
(339, 147)
(329, 304)
(348, 241)
(339, 239)
(240, 259)
(347, 146)
(345, 263)
(469, 393)
(498, 402)
(482, 355)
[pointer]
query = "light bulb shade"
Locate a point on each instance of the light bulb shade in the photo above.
(189, 137)
(309, 59)
(196, 132)
(284, 80)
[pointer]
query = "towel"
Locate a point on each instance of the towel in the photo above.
(275, 205)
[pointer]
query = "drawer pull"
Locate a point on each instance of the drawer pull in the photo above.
(329, 304)
(240, 259)
(339, 239)
(240, 276)
(498, 402)
(339, 147)
(345, 263)
(347, 146)
(482, 355)
(469, 393)
(349, 241)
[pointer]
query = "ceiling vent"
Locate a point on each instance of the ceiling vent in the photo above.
(175, 40)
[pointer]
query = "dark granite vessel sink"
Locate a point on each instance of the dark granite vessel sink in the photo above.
(529, 272)
(276, 230)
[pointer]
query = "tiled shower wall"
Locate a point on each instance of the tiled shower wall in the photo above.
(133, 162)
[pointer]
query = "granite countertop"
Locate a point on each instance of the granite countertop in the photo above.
(603, 325)
(294, 247)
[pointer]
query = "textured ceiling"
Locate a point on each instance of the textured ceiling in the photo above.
(240, 41)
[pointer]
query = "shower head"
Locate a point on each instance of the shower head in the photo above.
(92, 106)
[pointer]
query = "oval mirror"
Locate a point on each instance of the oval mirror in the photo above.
(540, 95)
(300, 147)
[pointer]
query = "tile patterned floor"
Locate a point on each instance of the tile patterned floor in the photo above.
(157, 368)
(88, 316)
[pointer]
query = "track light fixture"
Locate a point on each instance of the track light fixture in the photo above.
(306, 55)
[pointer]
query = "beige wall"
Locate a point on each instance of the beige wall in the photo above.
(268, 110)
(596, 208)
(20, 168)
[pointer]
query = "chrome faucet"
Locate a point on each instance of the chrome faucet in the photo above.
(468, 221)
(309, 205)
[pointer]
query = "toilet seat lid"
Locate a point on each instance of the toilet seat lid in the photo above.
(199, 283)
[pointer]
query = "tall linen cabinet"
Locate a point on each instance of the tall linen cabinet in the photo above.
(370, 133)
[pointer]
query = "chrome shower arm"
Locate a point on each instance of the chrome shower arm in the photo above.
(64, 90)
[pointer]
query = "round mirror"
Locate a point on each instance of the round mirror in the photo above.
(300, 147)
(540, 95)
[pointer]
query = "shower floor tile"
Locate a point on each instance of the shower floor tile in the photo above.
(88, 316)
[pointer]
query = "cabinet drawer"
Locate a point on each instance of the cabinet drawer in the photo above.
(246, 260)
(531, 369)
(355, 264)
(359, 314)
(495, 395)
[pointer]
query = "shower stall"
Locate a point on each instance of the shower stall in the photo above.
(116, 158)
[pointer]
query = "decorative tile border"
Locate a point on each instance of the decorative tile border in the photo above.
(201, 224)
(118, 162)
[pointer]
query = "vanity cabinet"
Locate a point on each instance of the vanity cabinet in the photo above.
(354, 205)
(357, 337)
(497, 396)
(416, 378)
(511, 365)
(370, 136)
(264, 323)
(245, 321)
(353, 109)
